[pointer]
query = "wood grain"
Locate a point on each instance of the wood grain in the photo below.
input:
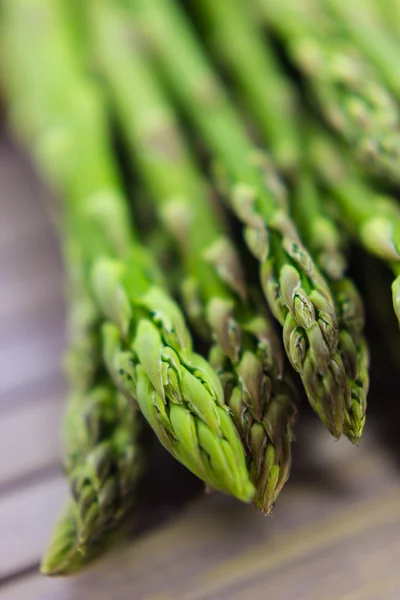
(21, 213)
(30, 440)
(27, 363)
(314, 547)
(26, 519)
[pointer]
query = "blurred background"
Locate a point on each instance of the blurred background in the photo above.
(335, 533)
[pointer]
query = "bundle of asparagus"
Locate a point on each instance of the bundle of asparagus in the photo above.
(244, 348)
(146, 345)
(211, 117)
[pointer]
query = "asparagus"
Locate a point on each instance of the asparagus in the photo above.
(236, 40)
(318, 232)
(372, 218)
(375, 41)
(348, 89)
(245, 349)
(103, 491)
(177, 391)
(326, 243)
(103, 465)
(103, 453)
(388, 14)
(323, 239)
(104, 459)
(296, 291)
(147, 345)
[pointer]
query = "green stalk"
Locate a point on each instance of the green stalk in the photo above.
(297, 293)
(316, 228)
(347, 88)
(326, 243)
(372, 218)
(103, 465)
(245, 351)
(236, 40)
(388, 14)
(103, 491)
(375, 41)
(147, 345)
(104, 458)
(319, 233)
(230, 21)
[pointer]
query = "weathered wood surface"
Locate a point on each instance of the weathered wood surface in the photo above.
(336, 530)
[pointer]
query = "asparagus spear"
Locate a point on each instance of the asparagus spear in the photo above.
(232, 19)
(375, 41)
(103, 450)
(326, 243)
(372, 218)
(296, 291)
(147, 344)
(388, 15)
(318, 232)
(348, 89)
(103, 465)
(235, 38)
(247, 353)
(103, 491)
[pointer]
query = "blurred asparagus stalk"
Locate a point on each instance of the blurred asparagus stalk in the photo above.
(296, 291)
(348, 89)
(372, 218)
(60, 115)
(388, 14)
(246, 352)
(376, 42)
(236, 40)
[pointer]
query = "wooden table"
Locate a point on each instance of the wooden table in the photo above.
(335, 533)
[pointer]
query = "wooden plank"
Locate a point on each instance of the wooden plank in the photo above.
(37, 247)
(26, 518)
(304, 564)
(30, 280)
(50, 386)
(22, 207)
(218, 548)
(21, 299)
(311, 566)
(30, 263)
(30, 440)
(28, 363)
(37, 322)
(346, 541)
